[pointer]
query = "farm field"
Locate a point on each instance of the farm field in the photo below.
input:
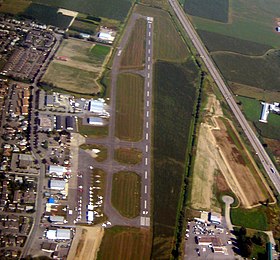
(248, 20)
(47, 15)
(107, 8)
(218, 42)
(125, 243)
(217, 10)
(250, 70)
(134, 53)
(81, 68)
(14, 6)
(174, 94)
(252, 109)
(99, 157)
(129, 107)
(126, 192)
(128, 155)
(83, 27)
(174, 48)
(249, 181)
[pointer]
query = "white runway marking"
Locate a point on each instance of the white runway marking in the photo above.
(148, 113)
(146, 188)
(148, 103)
(149, 42)
(149, 66)
(145, 204)
(146, 148)
(146, 161)
(146, 174)
(147, 124)
(147, 136)
(149, 58)
(149, 51)
(149, 34)
(148, 84)
(149, 25)
(148, 75)
(148, 93)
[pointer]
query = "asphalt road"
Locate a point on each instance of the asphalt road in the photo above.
(256, 144)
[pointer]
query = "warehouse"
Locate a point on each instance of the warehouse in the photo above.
(69, 120)
(57, 219)
(96, 106)
(57, 170)
(96, 121)
(57, 184)
(61, 234)
(215, 218)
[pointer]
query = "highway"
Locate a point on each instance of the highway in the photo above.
(256, 144)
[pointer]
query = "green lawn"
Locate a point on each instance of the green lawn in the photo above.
(126, 192)
(250, 218)
(99, 52)
(92, 131)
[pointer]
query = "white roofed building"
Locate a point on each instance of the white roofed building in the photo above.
(57, 184)
(57, 170)
(96, 121)
(61, 234)
(96, 106)
(57, 219)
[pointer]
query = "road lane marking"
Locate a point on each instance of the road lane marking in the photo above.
(148, 93)
(148, 103)
(146, 188)
(146, 174)
(145, 204)
(148, 75)
(146, 161)
(146, 148)
(148, 113)
(147, 136)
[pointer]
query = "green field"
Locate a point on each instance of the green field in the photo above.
(91, 131)
(251, 20)
(252, 109)
(106, 8)
(84, 27)
(124, 243)
(14, 6)
(47, 15)
(80, 72)
(218, 42)
(126, 192)
(261, 72)
(216, 10)
(134, 53)
(168, 45)
(174, 96)
(101, 156)
(128, 155)
(129, 107)
(250, 218)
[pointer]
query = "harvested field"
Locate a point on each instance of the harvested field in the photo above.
(169, 45)
(133, 56)
(129, 107)
(14, 6)
(128, 155)
(126, 192)
(249, 70)
(86, 243)
(217, 10)
(240, 165)
(219, 42)
(77, 66)
(125, 243)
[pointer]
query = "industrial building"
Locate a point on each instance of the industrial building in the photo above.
(57, 170)
(58, 234)
(56, 219)
(49, 100)
(96, 106)
(95, 121)
(209, 240)
(69, 122)
(57, 184)
(269, 108)
(215, 218)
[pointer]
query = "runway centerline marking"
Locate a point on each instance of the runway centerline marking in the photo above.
(145, 204)
(146, 161)
(148, 113)
(148, 93)
(147, 124)
(146, 148)
(147, 136)
(148, 75)
(148, 84)
(146, 188)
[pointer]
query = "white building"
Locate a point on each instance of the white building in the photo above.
(61, 234)
(90, 216)
(57, 219)
(57, 184)
(267, 108)
(96, 106)
(215, 218)
(104, 36)
(57, 170)
(96, 121)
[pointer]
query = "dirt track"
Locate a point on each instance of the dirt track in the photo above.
(216, 152)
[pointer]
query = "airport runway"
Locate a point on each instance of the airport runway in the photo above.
(256, 144)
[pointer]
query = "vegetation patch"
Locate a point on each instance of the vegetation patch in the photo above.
(125, 243)
(219, 42)
(47, 15)
(92, 131)
(128, 155)
(107, 8)
(168, 45)
(174, 97)
(250, 218)
(129, 107)
(82, 26)
(126, 192)
(101, 155)
(217, 10)
(134, 52)
(260, 72)
(14, 6)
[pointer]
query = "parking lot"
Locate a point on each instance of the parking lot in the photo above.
(208, 241)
